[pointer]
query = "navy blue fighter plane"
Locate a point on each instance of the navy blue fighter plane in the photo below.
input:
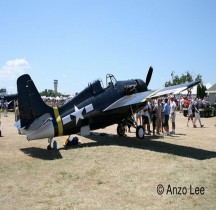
(10, 98)
(93, 108)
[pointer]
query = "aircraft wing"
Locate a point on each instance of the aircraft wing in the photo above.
(175, 89)
(129, 100)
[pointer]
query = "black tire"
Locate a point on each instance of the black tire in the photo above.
(120, 130)
(140, 133)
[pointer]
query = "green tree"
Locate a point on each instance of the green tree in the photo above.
(201, 91)
(3, 90)
(51, 93)
(186, 77)
(176, 80)
(167, 84)
(182, 79)
(199, 78)
(201, 88)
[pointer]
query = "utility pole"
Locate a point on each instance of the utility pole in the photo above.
(172, 75)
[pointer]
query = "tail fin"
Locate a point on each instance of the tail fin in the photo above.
(31, 106)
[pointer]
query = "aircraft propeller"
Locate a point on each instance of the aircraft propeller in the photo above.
(148, 77)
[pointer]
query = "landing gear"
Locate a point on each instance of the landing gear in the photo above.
(121, 130)
(140, 132)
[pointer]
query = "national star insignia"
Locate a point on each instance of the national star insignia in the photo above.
(78, 113)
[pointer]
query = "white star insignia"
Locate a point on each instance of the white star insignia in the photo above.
(78, 113)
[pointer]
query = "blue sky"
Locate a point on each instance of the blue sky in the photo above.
(77, 42)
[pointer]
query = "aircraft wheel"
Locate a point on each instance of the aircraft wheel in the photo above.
(120, 130)
(140, 132)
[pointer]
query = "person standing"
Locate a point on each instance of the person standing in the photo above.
(0, 123)
(139, 118)
(190, 113)
(181, 104)
(158, 109)
(145, 119)
(5, 108)
(17, 116)
(153, 118)
(166, 112)
(173, 113)
(197, 116)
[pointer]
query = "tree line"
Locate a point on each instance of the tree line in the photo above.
(51, 93)
(187, 77)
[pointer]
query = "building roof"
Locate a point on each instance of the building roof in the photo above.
(212, 89)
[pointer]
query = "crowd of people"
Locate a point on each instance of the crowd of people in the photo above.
(160, 112)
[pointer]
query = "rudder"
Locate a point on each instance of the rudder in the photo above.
(31, 105)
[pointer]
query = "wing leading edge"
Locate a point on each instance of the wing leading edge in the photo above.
(175, 89)
(129, 100)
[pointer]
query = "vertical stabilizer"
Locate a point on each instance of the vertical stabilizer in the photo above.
(31, 106)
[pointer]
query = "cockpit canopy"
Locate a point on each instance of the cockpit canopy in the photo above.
(110, 80)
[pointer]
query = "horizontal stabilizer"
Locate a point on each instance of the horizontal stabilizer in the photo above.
(42, 127)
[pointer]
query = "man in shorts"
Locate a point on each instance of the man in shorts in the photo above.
(197, 116)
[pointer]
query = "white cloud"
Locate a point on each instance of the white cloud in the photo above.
(13, 69)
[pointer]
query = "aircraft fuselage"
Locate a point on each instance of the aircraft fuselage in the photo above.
(78, 112)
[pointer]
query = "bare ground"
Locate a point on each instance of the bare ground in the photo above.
(109, 172)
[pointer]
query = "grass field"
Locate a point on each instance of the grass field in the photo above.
(109, 172)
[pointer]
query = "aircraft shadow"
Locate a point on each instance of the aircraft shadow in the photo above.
(43, 154)
(152, 144)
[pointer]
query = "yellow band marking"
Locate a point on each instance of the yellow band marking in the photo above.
(59, 121)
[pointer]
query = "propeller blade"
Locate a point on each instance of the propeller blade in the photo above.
(148, 77)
